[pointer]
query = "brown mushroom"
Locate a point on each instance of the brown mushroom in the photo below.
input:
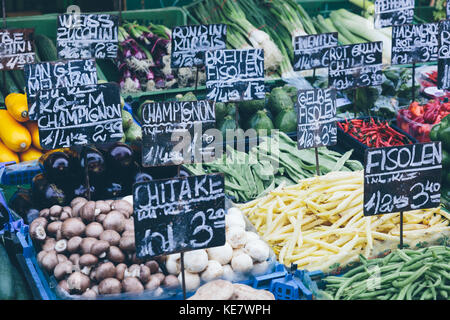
(94, 230)
(153, 283)
(87, 212)
(153, 266)
(109, 286)
(99, 248)
(78, 282)
(127, 244)
(88, 260)
(53, 227)
(102, 207)
(132, 284)
(120, 271)
(86, 244)
(40, 256)
(75, 259)
(61, 245)
(123, 206)
(74, 244)
(72, 227)
(64, 286)
(113, 237)
(77, 208)
(37, 228)
(77, 200)
(114, 254)
(129, 225)
(144, 274)
(160, 276)
(100, 218)
(62, 269)
(171, 282)
(55, 211)
(114, 221)
(61, 258)
(44, 213)
(89, 294)
(49, 244)
(66, 213)
(105, 270)
(128, 233)
(49, 261)
(133, 271)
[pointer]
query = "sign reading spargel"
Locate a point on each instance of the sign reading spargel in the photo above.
(393, 12)
(79, 116)
(179, 214)
(87, 36)
(316, 118)
(413, 43)
(189, 120)
(57, 74)
(189, 43)
(443, 79)
(234, 75)
(312, 51)
(355, 65)
(402, 178)
(16, 48)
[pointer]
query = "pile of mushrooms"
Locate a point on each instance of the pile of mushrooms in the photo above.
(225, 290)
(243, 254)
(89, 248)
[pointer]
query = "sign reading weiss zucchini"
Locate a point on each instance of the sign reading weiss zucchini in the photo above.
(87, 36)
(316, 109)
(179, 214)
(16, 48)
(79, 116)
(234, 75)
(355, 65)
(402, 178)
(189, 43)
(393, 12)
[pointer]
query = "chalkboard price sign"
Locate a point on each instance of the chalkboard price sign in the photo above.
(402, 178)
(57, 74)
(180, 214)
(79, 116)
(355, 65)
(16, 48)
(393, 13)
(87, 36)
(189, 43)
(413, 43)
(234, 75)
(316, 118)
(444, 55)
(177, 132)
(312, 51)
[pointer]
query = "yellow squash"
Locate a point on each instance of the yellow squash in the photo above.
(30, 154)
(34, 131)
(14, 135)
(7, 155)
(17, 106)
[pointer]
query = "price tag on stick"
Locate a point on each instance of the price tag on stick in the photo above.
(402, 178)
(87, 36)
(443, 78)
(313, 51)
(16, 48)
(356, 65)
(177, 132)
(180, 214)
(79, 116)
(57, 74)
(234, 75)
(393, 13)
(189, 43)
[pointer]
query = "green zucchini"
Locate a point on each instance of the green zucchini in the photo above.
(7, 291)
(10, 85)
(19, 78)
(46, 48)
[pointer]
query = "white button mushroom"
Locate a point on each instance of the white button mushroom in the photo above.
(228, 273)
(213, 271)
(252, 236)
(196, 261)
(222, 254)
(238, 252)
(260, 268)
(236, 237)
(173, 264)
(258, 250)
(234, 220)
(234, 211)
(242, 263)
(192, 280)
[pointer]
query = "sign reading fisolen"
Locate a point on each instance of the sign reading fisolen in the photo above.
(87, 36)
(16, 48)
(413, 43)
(316, 126)
(180, 214)
(393, 13)
(79, 116)
(444, 55)
(176, 132)
(189, 43)
(355, 65)
(57, 74)
(312, 51)
(234, 75)
(402, 178)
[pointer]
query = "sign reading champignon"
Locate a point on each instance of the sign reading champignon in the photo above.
(402, 178)
(179, 214)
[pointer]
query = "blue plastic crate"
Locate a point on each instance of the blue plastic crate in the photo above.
(20, 173)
